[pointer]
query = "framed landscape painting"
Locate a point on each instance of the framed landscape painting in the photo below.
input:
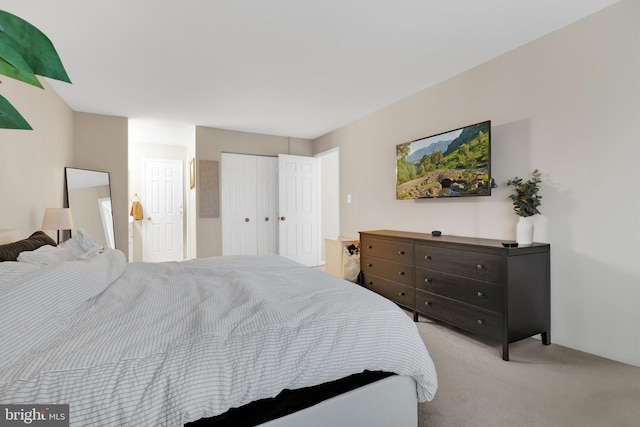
(456, 163)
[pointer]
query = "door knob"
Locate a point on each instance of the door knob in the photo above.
(148, 218)
(282, 218)
(266, 218)
(246, 220)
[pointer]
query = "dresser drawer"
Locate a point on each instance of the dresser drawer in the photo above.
(401, 252)
(481, 294)
(393, 271)
(400, 294)
(476, 265)
(470, 318)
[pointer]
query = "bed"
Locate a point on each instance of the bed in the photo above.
(191, 342)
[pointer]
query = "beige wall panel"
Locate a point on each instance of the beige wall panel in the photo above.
(32, 162)
(101, 143)
(567, 104)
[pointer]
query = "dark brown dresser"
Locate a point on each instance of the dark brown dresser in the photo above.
(475, 284)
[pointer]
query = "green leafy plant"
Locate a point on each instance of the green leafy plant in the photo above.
(525, 196)
(24, 52)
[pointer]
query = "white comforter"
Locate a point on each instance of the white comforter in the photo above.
(169, 343)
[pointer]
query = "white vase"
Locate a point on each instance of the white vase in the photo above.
(524, 230)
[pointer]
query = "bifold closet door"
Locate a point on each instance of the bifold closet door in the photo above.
(248, 204)
(267, 204)
(238, 204)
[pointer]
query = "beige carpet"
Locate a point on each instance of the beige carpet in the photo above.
(540, 386)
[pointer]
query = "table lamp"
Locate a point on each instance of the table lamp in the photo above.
(57, 219)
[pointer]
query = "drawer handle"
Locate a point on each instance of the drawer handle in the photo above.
(479, 266)
(480, 294)
(400, 273)
(400, 294)
(369, 247)
(427, 257)
(370, 283)
(480, 322)
(427, 280)
(427, 303)
(369, 265)
(400, 252)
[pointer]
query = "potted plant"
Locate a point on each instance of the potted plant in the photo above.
(526, 199)
(24, 53)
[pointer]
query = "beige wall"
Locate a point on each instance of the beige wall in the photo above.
(209, 144)
(101, 143)
(567, 104)
(32, 162)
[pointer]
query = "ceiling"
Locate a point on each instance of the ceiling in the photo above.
(281, 67)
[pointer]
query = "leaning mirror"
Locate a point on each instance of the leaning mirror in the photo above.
(89, 197)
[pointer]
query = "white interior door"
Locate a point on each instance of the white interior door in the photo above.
(298, 200)
(238, 204)
(267, 204)
(163, 211)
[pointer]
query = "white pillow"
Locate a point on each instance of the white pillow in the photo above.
(80, 245)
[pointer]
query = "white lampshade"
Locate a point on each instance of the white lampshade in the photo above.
(57, 219)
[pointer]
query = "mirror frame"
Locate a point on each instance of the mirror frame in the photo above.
(108, 240)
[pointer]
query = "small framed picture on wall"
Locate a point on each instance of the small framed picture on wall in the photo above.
(192, 173)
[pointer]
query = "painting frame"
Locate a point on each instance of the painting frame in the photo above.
(451, 164)
(192, 173)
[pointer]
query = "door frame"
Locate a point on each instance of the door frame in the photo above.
(329, 196)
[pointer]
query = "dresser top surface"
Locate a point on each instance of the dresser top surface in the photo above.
(445, 238)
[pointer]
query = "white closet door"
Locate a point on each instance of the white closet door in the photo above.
(267, 204)
(299, 200)
(238, 204)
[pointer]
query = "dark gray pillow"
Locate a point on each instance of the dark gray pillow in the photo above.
(10, 251)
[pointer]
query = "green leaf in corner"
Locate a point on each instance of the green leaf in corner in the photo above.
(10, 118)
(20, 39)
(13, 65)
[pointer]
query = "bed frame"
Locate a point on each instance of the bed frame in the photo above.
(388, 402)
(371, 398)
